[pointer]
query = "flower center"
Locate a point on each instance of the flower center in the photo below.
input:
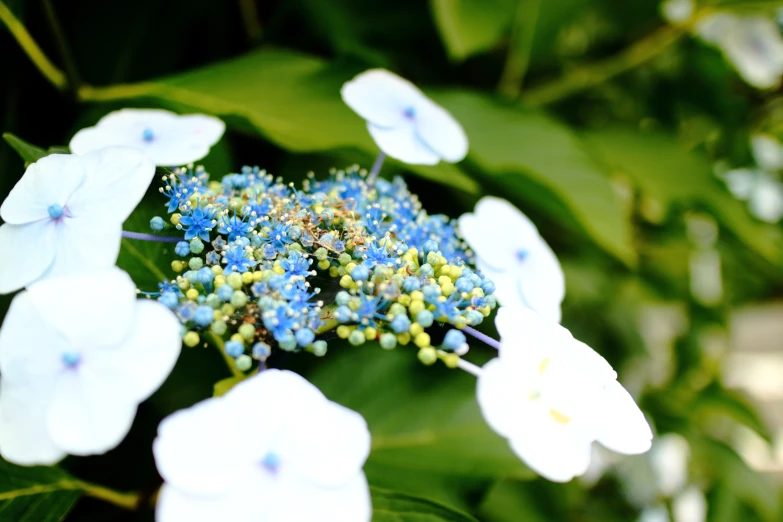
(271, 461)
(71, 359)
(56, 211)
(522, 254)
(409, 113)
(148, 135)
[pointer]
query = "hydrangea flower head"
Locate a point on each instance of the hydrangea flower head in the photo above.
(167, 139)
(65, 215)
(551, 396)
(305, 462)
(73, 375)
(510, 251)
(405, 123)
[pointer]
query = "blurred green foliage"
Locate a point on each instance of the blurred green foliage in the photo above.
(597, 119)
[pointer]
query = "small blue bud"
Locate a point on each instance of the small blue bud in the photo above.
(463, 285)
(182, 249)
(454, 339)
(474, 317)
(319, 348)
(191, 276)
(304, 337)
(425, 318)
(71, 359)
(196, 246)
(429, 246)
(56, 211)
(213, 301)
(360, 273)
(431, 292)
(388, 341)
(426, 270)
(271, 461)
(148, 135)
(169, 300)
(205, 276)
(342, 297)
(256, 241)
(411, 284)
(204, 315)
(276, 281)
(488, 287)
(234, 349)
(265, 302)
(400, 323)
(287, 341)
(224, 293)
(261, 351)
(157, 224)
(294, 232)
(342, 314)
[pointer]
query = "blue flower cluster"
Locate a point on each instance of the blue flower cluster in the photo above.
(256, 248)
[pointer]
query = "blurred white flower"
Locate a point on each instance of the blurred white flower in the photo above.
(515, 257)
(767, 151)
(669, 458)
(304, 463)
(657, 513)
(77, 355)
(751, 43)
(65, 215)
(404, 123)
(690, 506)
(762, 191)
(168, 139)
(551, 396)
(677, 11)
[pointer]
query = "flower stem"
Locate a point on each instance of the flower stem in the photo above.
(518, 57)
(591, 75)
(71, 72)
(482, 337)
(469, 367)
(126, 500)
(54, 75)
(150, 237)
(376, 168)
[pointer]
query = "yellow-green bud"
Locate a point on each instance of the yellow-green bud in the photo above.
(247, 331)
(192, 294)
(234, 280)
(191, 339)
(428, 355)
(415, 329)
(343, 331)
(422, 340)
(416, 307)
(247, 278)
(177, 265)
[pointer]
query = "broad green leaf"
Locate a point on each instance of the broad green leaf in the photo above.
(290, 98)
(717, 401)
(668, 174)
(28, 152)
(468, 27)
(391, 506)
(520, 143)
(224, 385)
(422, 419)
(35, 494)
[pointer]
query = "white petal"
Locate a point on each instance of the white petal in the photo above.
(109, 295)
(178, 506)
(740, 182)
(497, 390)
(205, 129)
(690, 506)
(85, 244)
(381, 97)
(115, 181)
(656, 513)
(766, 201)
(26, 253)
(143, 361)
(623, 427)
(440, 131)
(754, 46)
(553, 452)
(24, 436)
(767, 151)
(669, 459)
(402, 143)
(488, 241)
(51, 180)
(198, 451)
(302, 502)
(89, 415)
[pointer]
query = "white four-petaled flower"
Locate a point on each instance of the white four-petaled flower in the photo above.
(77, 355)
(510, 251)
(273, 449)
(552, 396)
(405, 123)
(65, 215)
(168, 139)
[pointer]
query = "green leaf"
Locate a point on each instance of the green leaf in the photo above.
(35, 494)
(716, 400)
(518, 143)
(290, 98)
(28, 152)
(421, 418)
(669, 175)
(224, 385)
(391, 506)
(468, 27)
